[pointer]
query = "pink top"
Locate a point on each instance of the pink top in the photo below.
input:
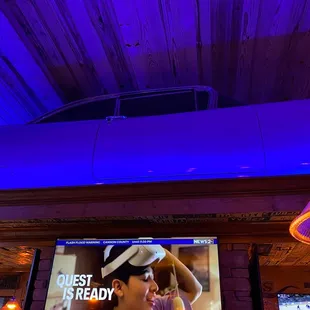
(166, 302)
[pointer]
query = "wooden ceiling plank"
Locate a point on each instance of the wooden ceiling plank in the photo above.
(203, 42)
(12, 260)
(42, 42)
(15, 259)
(16, 46)
(244, 40)
(272, 42)
(28, 103)
(103, 18)
(179, 20)
(250, 51)
(148, 41)
(134, 45)
(86, 39)
(281, 251)
(68, 42)
(293, 75)
(222, 30)
(11, 110)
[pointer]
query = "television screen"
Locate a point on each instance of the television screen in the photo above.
(142, 274)
(294, 302)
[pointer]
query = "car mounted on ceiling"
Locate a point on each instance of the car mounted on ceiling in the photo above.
(173, 134)
(135, 104)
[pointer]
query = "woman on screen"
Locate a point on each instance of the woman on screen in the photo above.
(128, 270)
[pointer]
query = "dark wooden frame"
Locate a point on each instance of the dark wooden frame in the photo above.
(31, 280)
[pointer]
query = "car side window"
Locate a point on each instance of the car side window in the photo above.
(88, 111)
(135, 104)
(158, 104)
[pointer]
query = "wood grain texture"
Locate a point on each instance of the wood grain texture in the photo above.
(103, 18)
(15, 259)
(286, 254)
(250, 51)
(204, 210)
(25, 89)
(228, 188)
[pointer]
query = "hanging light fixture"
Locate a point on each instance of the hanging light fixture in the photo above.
(12, 304)
(300, 227)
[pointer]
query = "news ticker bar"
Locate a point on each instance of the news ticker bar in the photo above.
(128, 242)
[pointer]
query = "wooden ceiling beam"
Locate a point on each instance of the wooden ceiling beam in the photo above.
(241, 187)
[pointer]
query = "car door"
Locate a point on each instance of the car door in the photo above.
(195, 145)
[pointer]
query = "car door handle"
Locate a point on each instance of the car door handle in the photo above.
(112, 118)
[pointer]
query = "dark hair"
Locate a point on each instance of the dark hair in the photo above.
(122, 273)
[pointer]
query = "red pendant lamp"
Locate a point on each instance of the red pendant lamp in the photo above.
(300, 227)
(12, 304)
